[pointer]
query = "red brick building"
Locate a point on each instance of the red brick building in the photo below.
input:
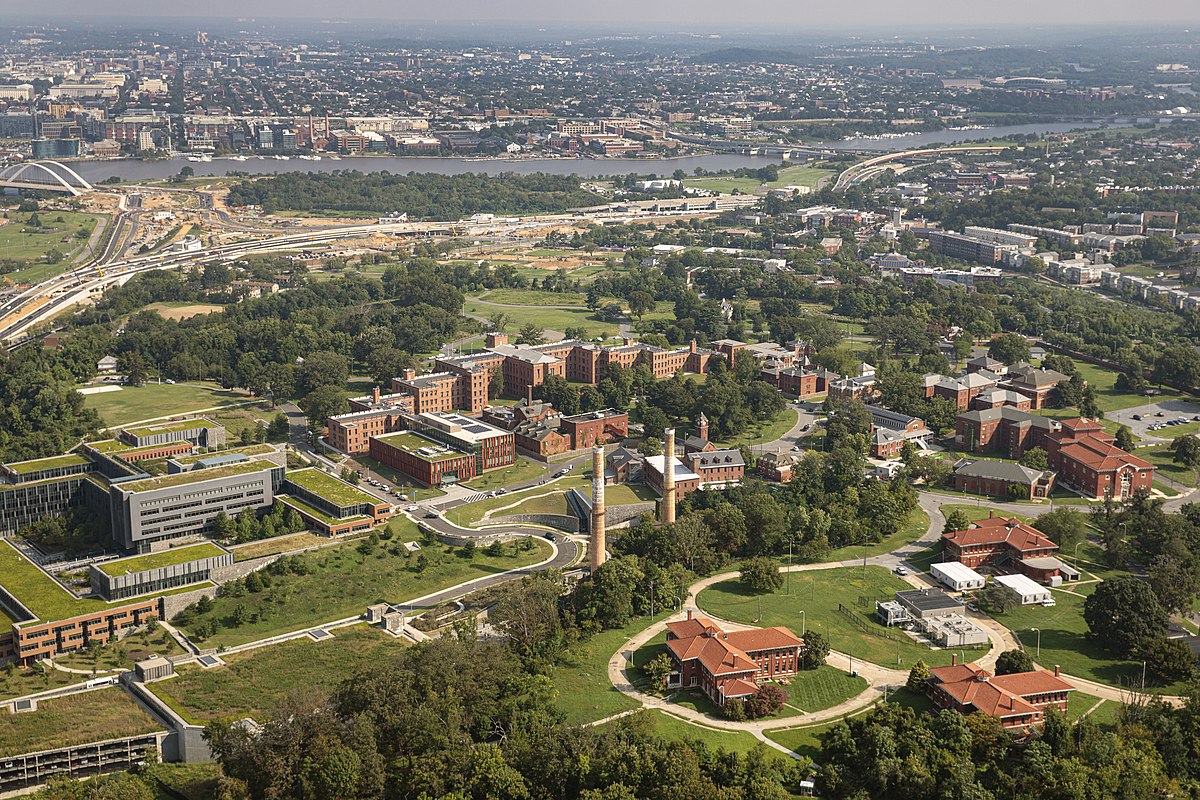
(1018, 700)
(728, 665)
(995, 542)
(1087, 460)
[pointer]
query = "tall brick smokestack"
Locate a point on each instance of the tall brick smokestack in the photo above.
(668, 501)
(597, 544)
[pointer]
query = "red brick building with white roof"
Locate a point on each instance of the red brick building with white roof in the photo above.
(1018, 700)
(727, 665)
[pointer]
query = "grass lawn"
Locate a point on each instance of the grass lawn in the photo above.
(1162, 459)
(557, 319)
(19, 240)
(1063, 642)
(822, 688)
(78, 719)
(581, 675)
(28, 680)
(473, 512)
(914, 528)
(533, 297)
(342, 582)
(185, 781)
(155, 400)
(253, 682)
(121, 653)
(673, 728)
(803, 741)
(277, 544)
(524, 470)
(818, 593)
(763, 432)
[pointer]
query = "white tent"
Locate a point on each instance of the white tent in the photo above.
(1027, 590)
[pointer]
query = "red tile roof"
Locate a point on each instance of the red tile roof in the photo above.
(997, 530)
(998, 696)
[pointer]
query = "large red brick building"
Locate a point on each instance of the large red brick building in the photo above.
(1087, 460)
(1018, 700)
(726, 665)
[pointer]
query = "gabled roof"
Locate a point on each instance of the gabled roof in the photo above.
(998, 530)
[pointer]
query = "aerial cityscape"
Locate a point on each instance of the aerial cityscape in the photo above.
(556, 403)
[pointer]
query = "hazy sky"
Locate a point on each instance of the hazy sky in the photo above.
(679, 14)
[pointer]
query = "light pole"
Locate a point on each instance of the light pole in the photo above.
(1039, 642)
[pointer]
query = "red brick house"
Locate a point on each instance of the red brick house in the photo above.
(997, 541)
(1018, 700)
(728, 665)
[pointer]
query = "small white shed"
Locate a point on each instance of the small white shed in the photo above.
(1029, 592)
(956, 576)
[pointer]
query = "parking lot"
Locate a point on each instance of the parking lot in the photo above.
(1155, 420)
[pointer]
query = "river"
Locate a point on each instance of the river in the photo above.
(134, 169)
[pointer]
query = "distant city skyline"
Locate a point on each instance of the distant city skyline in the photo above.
(692, 14)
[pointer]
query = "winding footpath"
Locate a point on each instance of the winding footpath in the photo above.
(881, 681)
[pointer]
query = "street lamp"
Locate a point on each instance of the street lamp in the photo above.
(1039, 642)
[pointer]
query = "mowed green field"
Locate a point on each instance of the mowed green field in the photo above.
(77, 719)
(556, 319)
(19, 240)
(251, 683)
(154, 400)
(818, 593)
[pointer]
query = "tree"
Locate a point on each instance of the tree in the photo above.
(1186, 450)
(1122, 614)
(769, 698)
(134, 367)
(279, 428)
(1009, 348)
(1174, 582)
(658, 669)
(531, 334)
(1013, 661)
(995, 598)
(761, 575)
(320, 404)
(1088, 406)
(1035, 458)
(1065, 527)
(917, 676)
(956, 520)
(814, 652)
(640, 303)
(1167, 660)
(1125, 438)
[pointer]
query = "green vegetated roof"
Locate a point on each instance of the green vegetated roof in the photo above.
(251, 451)
(171, 427)
(333, 489)
(45, 598)
(411, 442)
(109, 446)
(196, 476)
(53, 462)
(165, 558)
(312, 511)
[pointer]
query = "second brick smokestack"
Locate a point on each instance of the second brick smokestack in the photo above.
(668, 501)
